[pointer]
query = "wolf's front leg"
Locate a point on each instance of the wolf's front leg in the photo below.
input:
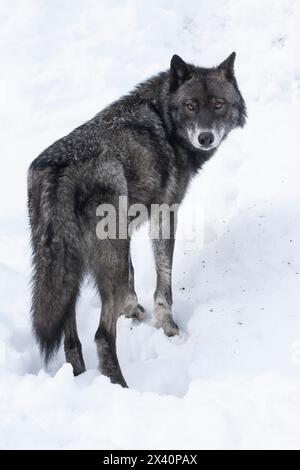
(163, 253)
(132, 309)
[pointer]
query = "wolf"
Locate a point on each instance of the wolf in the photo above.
(146, 146)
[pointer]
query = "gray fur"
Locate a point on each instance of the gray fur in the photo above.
(138, 147)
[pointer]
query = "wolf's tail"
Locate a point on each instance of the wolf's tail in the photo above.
(57, 266)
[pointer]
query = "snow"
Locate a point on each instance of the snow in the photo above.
(231, 379)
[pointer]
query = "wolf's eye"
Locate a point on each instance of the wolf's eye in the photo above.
(219, 104)
(190, 106)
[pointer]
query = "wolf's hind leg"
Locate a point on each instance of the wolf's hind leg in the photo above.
(112, 280)
(72, 345)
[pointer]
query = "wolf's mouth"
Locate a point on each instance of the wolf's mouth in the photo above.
(205, 139)
(207, 147)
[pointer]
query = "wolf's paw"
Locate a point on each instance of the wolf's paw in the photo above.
(168, 325)
(137, 312)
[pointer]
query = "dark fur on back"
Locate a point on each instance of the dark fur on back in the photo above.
(139, 147)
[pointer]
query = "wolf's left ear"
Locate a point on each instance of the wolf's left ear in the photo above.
(228, 66)
(179, 72)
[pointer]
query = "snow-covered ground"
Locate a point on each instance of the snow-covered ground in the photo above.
(232, 377)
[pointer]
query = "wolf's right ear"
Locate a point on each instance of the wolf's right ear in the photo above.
(179, 72)
(227, 66)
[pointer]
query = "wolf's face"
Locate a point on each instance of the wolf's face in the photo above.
(205, 104)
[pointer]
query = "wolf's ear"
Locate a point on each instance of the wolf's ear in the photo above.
(179, 72)
(228, 66)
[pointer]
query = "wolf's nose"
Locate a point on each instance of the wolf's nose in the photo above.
(206, 139)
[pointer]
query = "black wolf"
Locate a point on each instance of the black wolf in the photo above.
(146, 146)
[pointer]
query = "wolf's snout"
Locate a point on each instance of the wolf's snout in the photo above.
(206, 139)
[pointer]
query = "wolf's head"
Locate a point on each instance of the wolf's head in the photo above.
(205, 104)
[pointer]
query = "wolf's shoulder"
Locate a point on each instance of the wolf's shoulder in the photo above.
(133, 113)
